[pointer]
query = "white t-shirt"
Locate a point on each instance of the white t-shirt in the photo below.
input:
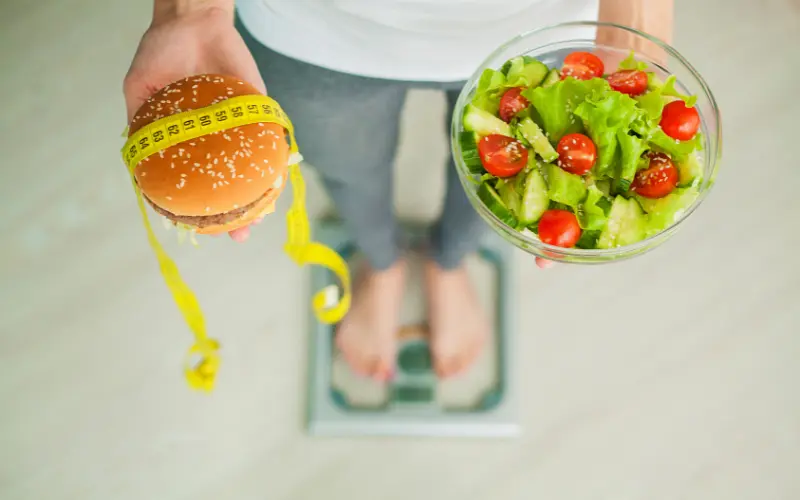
(415, 40)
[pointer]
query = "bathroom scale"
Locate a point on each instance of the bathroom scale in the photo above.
(476, 403)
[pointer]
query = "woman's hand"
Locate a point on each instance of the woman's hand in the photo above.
(653, 17)
(189, 37)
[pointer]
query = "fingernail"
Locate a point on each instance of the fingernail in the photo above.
(240, 235)
(544, 263)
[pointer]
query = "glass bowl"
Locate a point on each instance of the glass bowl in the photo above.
(550, 45)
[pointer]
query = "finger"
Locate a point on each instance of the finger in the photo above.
(240, 235)
(258, 221)
(544, 263)
(136, 93)
(138, 90)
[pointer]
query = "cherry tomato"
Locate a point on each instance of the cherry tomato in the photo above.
(582, 65)
(576, 153)
(680, 122)
(512, 103)
(658, 179)
(502, 156)
(629, 81)
(559, 228)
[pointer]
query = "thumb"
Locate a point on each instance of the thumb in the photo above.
(136, 93)
(137, 90)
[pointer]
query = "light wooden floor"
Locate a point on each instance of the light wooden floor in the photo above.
(672, 376)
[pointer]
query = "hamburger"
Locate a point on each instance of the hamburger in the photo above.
(221, 181)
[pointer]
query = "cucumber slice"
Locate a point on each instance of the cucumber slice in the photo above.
(604, 185)
(679, 198)
(494, 203)
(635, 227)
(484, 123)
(552, 77)
(534, 135)
(616, 217)
(469, 151)
(690, 171)
(663, 212)
(524, 72)
(564, 187)
(626, 224)
(507, 190)
(534, 198)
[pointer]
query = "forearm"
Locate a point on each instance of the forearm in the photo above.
(653, 17)
(171, 9)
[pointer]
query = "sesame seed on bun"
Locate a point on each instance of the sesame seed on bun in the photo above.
(218, 182)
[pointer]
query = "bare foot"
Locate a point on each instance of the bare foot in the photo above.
(458, 325)
(367, 336)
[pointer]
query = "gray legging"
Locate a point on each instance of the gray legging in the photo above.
(347, 127)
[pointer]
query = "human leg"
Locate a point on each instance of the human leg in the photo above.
(459, 229)
(347, 127)
(458, 323)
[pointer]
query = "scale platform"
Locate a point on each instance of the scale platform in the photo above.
(477, 403)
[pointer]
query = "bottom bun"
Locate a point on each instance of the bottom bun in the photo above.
(264, 207)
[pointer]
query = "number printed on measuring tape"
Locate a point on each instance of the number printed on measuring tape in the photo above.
(174, 129)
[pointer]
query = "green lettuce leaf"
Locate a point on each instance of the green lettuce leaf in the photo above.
(630, 62)
(632, 148)
(593, 212)
(489, 90)
(604, 113)
(563, 187)
(659, 94)
(555, 104)
(588, 240)
(670, 91)
(678, 150)
(651, 132)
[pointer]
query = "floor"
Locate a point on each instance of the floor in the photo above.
(671, 376)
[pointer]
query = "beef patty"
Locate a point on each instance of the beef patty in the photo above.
(207, 220)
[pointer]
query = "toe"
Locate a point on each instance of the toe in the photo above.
(360, 366)
(351, 356)
(459, 365)
(446, 366)
(382, 370)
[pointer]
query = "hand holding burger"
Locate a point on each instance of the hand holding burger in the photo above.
(185, 39)
(217, 182)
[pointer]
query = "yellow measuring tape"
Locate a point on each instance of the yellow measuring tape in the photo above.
(234, 112)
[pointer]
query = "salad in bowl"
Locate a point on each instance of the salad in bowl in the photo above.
(571, 159)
